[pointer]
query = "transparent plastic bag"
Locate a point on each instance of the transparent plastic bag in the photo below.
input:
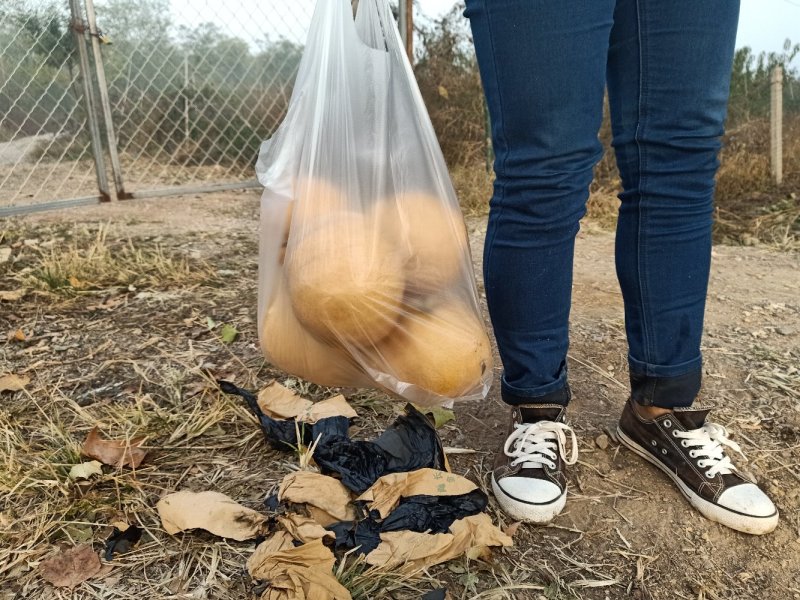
(365, 275)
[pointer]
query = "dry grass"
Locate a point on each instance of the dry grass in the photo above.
(143, 363)
(86, 260)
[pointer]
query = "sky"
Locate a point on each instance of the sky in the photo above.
(764, 24)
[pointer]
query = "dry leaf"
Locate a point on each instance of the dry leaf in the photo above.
(77, 283)
(511, 530)
(302, 572)
(212, 511)
(320, 516)
(116, 453)
(411, 552)
(332, 407)
(71, 567)
(13, 383)
(12, 295)
(327, 493)
(279, 402)
(304, 529)
(277, 542)
(86, 470)
(385, 493)
(16, 336)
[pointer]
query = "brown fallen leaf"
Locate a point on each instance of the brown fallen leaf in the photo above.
(212, 511)
(70, 567)
(116, 453)
(511, 530)
(410, 552)
(13, 383)
(279, 402)
(320, 516)
(304, 529)
(12, 295)
(314, 489)
(385, 493)
(294, 573)
(16, 335)
(332, 407)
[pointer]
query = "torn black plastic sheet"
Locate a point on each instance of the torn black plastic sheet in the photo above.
(434, 514)
(421, 514)
(121, 541)
(408, 444)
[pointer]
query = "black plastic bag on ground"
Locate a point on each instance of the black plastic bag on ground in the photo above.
(433, 513)
(408, 444)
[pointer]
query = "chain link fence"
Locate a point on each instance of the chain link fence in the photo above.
(157, 97)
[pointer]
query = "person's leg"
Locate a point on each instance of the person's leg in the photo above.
(543, 69)
(669, 69)
(669, 73)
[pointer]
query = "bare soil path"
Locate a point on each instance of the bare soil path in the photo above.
(129, 350)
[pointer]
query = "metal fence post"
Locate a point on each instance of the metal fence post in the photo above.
(78, 29)
(776, 124)
(406, 10)
(102, 84)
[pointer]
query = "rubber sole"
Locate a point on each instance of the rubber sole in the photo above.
(527, 512)
(714, 512)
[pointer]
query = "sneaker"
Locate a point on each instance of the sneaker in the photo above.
(691, 451)
(528, 477)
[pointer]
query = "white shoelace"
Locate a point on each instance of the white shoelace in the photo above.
(535, 445)
(709, 442)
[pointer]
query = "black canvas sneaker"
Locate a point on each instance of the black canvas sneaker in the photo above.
(691, 451)
(528, 479)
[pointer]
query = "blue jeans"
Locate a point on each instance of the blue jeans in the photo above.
(545, 65)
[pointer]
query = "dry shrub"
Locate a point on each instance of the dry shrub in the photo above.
(447, 73)
(751, 207)
(474, 185)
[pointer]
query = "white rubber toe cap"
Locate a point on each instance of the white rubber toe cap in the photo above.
(747, 499)
(532, 491)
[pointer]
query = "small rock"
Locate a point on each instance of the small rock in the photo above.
(785, 331)
(601, 441)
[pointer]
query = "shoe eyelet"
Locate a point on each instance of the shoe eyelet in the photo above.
(675, 433)
(692, 454)
(654, 443)
(701, 463)
(667, 423)
(663, 451)
(685, 443)
(709, 475)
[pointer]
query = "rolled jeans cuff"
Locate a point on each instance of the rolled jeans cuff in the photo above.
(557, 392)
(675, 386)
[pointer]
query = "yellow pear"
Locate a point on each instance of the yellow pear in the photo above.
(433, 235)
(445, 351)
(346, 281)
(288, 346)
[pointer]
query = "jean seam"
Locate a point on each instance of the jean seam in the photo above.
(641, 241)
(490, 242)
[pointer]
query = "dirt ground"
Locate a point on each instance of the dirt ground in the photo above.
(129, 347)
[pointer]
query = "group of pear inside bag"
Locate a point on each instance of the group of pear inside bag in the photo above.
(365, 276)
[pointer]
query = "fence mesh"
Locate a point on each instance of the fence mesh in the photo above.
(44, 145)
(194, 86)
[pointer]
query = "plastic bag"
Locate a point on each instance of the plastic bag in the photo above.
(365, 275)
